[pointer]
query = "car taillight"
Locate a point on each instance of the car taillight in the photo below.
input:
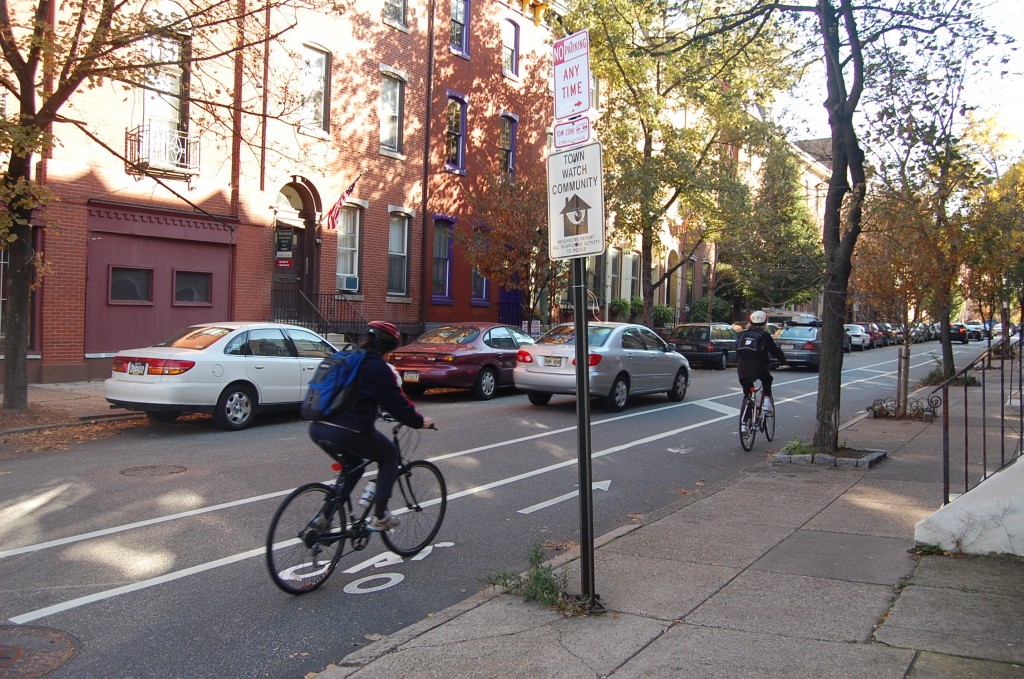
(120, 364)
(445, 358)
(168, 366)
(808, 346)
(524, 357)
(711, 348)
(592, 360)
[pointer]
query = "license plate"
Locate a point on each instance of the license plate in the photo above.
(553, 361)
(137, 368)
(411, 376)
(689, 347)
(785, 346)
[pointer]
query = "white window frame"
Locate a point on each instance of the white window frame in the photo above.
(350, 222)
(315, 82)
(392, 112)
(398, 251)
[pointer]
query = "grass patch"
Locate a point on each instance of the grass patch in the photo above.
(541, 583)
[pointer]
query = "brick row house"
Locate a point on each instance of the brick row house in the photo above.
(408, 102)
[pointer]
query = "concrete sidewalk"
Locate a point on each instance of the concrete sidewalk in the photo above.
(790, 571)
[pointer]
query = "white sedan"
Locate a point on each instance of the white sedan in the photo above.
(232, 370)
(860, 338)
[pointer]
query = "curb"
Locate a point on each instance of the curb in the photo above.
(91, 419)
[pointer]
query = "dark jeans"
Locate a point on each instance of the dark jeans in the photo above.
(341, 443)
(766, 382)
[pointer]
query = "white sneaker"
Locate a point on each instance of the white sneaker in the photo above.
(768, 405)
(387, 522)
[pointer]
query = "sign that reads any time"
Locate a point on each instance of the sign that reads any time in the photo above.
(572, 75)
(576, 203)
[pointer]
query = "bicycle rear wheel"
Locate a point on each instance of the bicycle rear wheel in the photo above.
(769, 424)
(419, 499)
(306, 538)
(748, 430)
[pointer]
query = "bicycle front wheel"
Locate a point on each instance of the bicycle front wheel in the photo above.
(769, 424)
(305, 540)
(419, 500)
(748, 430)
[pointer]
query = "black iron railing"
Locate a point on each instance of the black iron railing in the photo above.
(324, 313)
(978, 420)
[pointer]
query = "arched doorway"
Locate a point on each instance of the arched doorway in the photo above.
(296, 252)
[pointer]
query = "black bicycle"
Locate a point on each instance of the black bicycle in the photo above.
(311, 528)
(754, 418)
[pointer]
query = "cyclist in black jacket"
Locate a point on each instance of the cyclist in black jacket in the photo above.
(754, 348)
(352, 432)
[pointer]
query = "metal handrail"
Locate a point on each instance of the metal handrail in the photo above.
(1009, 387)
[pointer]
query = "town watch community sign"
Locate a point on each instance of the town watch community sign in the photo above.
(576, 203)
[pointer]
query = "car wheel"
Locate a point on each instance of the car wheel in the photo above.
(538, 398)
(847, 348)
(162, 416)
(679, 385)
(414, 390)
(236, 407)
(722, 362)
(486, 384)
(616, 399)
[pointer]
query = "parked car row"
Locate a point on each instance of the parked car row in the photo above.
(236, 370)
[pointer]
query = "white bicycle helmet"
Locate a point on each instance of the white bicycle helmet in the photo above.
(758, 318)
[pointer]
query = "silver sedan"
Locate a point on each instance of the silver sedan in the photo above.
(624, 359)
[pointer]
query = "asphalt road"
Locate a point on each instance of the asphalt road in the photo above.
(148, 548)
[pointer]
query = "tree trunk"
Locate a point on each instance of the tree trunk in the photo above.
(21, 269)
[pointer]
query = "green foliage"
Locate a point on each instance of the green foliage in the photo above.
(540, 583)
(776, 253)
(636, 307)
(721, 310)
(797, 447)
(619, 307)
(663, 315)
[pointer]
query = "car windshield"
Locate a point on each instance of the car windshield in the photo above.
(195, 337)
(566, 334)
(450, 334)
(698, 332)
(853, 328)
(798, 333)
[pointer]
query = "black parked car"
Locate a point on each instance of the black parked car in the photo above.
(958, 332)
(712, 345)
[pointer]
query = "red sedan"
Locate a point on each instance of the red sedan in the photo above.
(477, 356)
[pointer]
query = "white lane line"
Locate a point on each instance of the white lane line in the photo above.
(135, 586)
(137, 524)
(717, 407)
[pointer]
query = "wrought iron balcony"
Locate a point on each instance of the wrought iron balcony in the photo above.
(152, 150)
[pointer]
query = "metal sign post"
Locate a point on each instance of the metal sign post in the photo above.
(579, 303)
(575, 231)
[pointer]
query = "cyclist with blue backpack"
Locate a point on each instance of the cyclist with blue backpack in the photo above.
(755, 348)
(350, 432)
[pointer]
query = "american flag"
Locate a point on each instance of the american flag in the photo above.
(335, 212)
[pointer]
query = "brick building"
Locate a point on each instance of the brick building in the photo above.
(207, 216)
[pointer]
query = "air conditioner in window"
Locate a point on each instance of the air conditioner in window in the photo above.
(348, 283)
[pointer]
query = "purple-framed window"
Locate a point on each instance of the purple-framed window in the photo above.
(441, 270)
(509, 126)
(130, 285)
(455, 133)
(460, 27)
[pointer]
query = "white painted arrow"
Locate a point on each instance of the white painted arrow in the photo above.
(600, 485)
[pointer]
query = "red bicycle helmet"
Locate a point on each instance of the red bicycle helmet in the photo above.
(385, 334)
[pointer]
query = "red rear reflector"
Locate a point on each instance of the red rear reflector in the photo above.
(336, 466)
(524, 357)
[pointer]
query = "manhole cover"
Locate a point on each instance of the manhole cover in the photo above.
(27, 652)
(154, 470)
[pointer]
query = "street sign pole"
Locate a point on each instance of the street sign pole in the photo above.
(579, 304)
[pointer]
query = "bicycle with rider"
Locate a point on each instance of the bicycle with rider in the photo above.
(755, 347)
(351, 432)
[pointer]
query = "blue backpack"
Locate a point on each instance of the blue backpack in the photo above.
(333, 387)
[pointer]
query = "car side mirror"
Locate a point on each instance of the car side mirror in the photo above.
(670, 347)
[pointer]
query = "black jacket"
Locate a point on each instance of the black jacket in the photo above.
(751, 367)
(377, 388)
